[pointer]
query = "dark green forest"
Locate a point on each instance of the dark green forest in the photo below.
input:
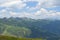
(30, 28)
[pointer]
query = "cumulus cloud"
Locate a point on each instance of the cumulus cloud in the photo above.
(19, 5)
(3, 13)
(45, 14)
(15, 3)
(41, 14)
(47, 3)
(52, 3)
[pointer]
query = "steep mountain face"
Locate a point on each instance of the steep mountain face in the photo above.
(30, 28)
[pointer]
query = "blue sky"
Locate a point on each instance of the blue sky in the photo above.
(36, 9)
(54, 8)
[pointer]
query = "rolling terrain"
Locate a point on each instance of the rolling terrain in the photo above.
(30, 28)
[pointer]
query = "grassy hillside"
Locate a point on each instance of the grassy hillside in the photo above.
(14, 38)
(29, 28)
(14, 31)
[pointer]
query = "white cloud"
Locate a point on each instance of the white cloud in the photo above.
(13, 3)
(5, 1)
(3, 13)
(45, 14)
(13, 13)
(52, 3)
(9, 3)
(46, 3)
(42, 13)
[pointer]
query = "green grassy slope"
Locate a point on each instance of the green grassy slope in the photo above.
(29, 28)
(14, 38)
(14, 31)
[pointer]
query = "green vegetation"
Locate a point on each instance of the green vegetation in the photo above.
(14, 38)
(30, 28)
(16, 31)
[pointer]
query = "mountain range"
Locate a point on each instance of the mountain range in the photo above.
(30, 28)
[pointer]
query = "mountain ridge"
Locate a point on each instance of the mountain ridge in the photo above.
(35, 28)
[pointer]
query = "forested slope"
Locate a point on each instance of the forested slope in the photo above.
(29, 28)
